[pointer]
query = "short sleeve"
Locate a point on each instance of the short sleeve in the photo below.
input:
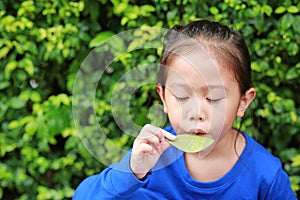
(281, 187)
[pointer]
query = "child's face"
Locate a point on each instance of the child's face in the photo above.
(200, 96)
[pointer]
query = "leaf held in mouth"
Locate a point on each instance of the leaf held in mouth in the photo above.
(191, 143)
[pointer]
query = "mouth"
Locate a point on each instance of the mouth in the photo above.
(200, 134)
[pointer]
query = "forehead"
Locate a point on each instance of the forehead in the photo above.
(196, 69)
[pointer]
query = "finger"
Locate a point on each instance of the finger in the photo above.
(149, 132)
(155, 141)
(151, 140)
(168, 135)
(146, 148)
(148, 128)
(141, 146)
(155, 136)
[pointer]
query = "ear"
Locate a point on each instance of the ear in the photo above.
(161, 93)
(245, 101)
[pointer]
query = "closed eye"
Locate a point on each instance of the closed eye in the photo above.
(211, 100)
(181, 99)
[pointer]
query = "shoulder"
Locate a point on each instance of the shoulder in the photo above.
(265, 170)
(260, 158)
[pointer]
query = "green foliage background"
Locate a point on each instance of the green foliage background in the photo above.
(43, 43)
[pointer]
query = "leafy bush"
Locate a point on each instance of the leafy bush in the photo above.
(43, 44)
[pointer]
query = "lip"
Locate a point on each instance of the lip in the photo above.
(199, 132)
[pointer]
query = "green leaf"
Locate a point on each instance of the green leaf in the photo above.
(272, 72)
(296, 24)
(17, 103)
(267, 9)
(292, 73)
(191, 143)
(100, 38)
(4, 51)
(120, 7)
(259, 22)
(296, 161)
(286, 21)
(280, 10)
(27, 65)
(214, 10)
(4, 84)
(293, 49)
(117, 44)
(146, 9)
(12, 65)
(8, 20)
(293, 9)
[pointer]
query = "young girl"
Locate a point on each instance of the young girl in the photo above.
(204, 84)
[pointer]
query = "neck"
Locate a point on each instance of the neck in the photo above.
(218, 160)
(233, 142)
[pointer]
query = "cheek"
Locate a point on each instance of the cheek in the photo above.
(223, 115)
(218, 117)
(175, 121)
(223, 118)
(226, 110)
(175, 113)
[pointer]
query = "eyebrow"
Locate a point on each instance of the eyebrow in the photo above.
(182, 85)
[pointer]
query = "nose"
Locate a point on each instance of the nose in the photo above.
(194, 116)
(196, 113)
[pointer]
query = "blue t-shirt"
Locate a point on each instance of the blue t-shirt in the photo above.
(256, 175)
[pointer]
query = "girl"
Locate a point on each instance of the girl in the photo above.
(204, 84)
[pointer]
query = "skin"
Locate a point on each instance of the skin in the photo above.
(199, 97)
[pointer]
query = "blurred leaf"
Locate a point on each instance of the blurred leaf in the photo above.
(3, 51)
(293, 9)
(146, 10)
(9, 68)
(267, 9)
(17, 103)
(286, 21)
(259, 22)
(296, 24)
(100, 38)
(296, 161)
(293, 49)
(120, 7)
(4, 84)
(214, 10)
(280, 9)
(292, 73)
(27, 64)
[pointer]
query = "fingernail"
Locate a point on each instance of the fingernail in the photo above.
(173, 137)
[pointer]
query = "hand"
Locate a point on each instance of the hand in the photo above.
(147, 148)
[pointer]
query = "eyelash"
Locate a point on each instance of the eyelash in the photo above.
(181, 99)
(212, 100)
